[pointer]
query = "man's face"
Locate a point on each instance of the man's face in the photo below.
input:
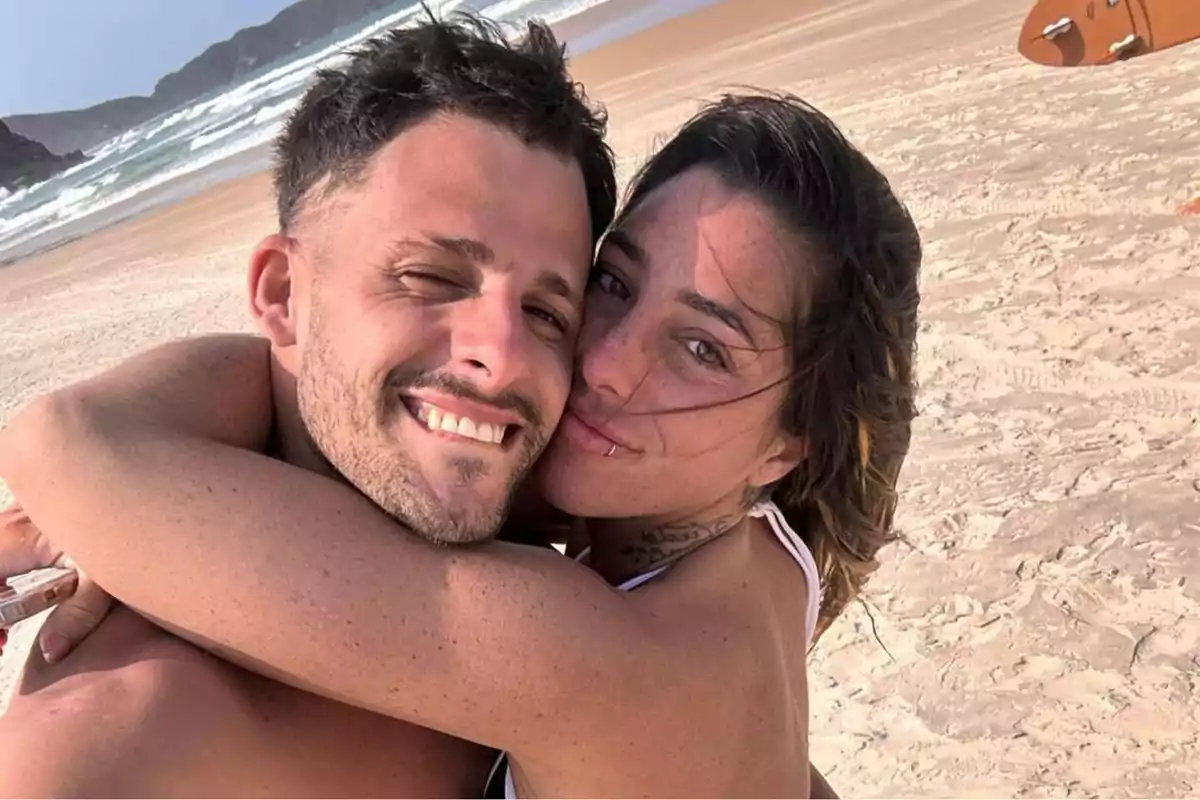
(437, 304)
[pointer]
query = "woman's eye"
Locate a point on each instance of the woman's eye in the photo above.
(705, 353)
(610, 284)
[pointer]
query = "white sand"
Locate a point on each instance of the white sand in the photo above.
(1039, 635)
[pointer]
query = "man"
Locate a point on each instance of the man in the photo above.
(439, 199)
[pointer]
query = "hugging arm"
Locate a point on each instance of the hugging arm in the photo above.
(300, 578)
(216, 387)
(167, 386)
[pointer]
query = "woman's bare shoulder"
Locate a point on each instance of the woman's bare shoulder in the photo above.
(738, 599)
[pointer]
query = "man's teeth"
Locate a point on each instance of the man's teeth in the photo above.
(437, 419)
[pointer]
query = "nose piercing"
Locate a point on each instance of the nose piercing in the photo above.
(611, 450)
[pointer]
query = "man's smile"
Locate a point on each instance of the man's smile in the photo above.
(465, 421)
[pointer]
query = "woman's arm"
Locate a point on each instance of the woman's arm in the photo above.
(214, 387)
(148, 387)
(299, 577)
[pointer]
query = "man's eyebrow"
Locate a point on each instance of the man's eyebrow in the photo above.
(622, 241)
(717, 311)
(463, 246)
(556, 284)
(475, 250)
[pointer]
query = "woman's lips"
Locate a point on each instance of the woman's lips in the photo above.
(591, 435)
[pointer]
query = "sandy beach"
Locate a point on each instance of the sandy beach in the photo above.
(1038, 632)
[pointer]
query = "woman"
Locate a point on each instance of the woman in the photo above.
(740, 415)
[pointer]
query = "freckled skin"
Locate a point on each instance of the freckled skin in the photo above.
(190, 725)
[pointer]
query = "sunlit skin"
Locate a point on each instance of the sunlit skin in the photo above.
(433, 285)
(458, 261)
(683, 361)
(683, 364)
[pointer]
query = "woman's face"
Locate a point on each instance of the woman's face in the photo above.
(683, 363)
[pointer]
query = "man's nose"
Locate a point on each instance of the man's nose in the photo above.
(486, 343)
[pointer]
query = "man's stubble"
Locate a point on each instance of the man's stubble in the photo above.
(348, 426)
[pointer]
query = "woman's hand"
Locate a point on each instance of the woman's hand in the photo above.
(23, 547)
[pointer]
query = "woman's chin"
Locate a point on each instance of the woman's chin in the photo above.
(567, 480)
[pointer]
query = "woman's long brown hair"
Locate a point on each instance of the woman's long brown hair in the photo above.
(853, 337)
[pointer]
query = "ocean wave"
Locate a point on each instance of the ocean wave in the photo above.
(261, 136)
(72, 205)
(214, 128)
(202, 140)
(51, 209)
(170, 121)
(511, 10)
(274, 112)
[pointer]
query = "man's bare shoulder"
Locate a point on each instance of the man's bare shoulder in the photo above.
(68, 723)
(124, 647)
(135, 711)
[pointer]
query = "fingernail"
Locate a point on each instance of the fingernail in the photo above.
(53, 646)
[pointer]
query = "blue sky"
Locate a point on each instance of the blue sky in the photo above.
(60, 54)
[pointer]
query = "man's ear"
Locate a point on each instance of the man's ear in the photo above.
(269, 281)
(785, 454)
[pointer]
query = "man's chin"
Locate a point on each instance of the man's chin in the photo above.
(460, 517)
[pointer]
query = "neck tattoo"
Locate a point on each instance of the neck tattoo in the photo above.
(665, 544)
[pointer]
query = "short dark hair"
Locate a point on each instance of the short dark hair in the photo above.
(464, 65)
(851, 387)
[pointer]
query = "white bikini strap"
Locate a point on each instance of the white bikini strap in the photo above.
(645, 577)
(636, 580)
(799, 551)
(510, 788)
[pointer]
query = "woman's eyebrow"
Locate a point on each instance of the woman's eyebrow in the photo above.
(631, 249)
(722, 313)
